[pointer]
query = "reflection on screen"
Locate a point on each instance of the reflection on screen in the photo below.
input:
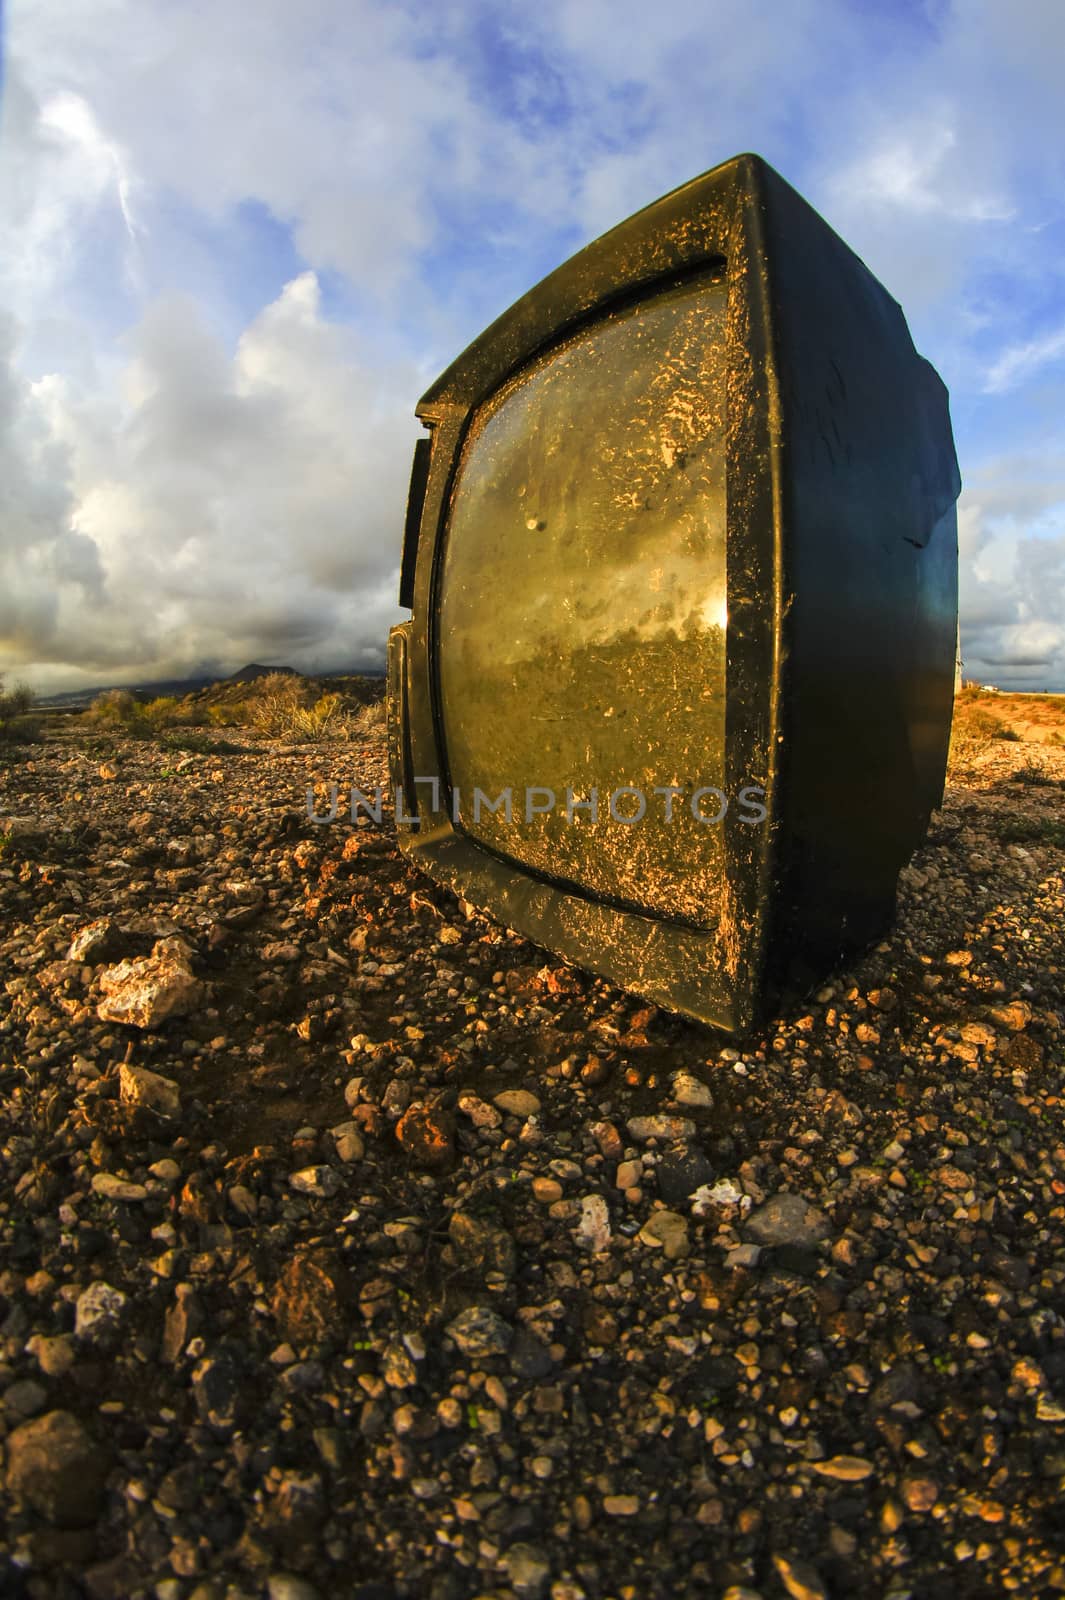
(582, 604)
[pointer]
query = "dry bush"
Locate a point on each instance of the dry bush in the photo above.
(370, 719)
(114, 708)
(17, 726)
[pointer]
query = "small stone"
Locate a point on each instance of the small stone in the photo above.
(322, 1182)
(920, 1494)
(680, 1173)
(480, 1113)
(660, 1127)
(56, 1468)
(309, 1300)
(787, 1219)
(689, 1090)
(243, 1201)
(55, 1356)
(799, 1579)
(426, 1133)
(528, 1569)
(669, 1230)
(608, 1140)
(481, 1246)
(139, 1087)
(480, 1332)
(593, 1231)
(96, 939)
(847, 1469)
(214, 1387)
(350, 1143)
(746, 1256)
(1015, 1016)
(287, 1586)
(98, 1313)
(621, 1505)
(397, 1368)
(516, 1102)
(181, 1323)
(110, 1187)
(546, 1190)
(25, 1398)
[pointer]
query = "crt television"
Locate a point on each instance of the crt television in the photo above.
(675, 696)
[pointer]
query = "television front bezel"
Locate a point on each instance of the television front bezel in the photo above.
(713, 223)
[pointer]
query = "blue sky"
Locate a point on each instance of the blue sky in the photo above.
(239, 242)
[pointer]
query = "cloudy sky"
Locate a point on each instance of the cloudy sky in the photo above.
(239, 241)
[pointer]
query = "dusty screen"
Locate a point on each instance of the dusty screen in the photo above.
(582, 606)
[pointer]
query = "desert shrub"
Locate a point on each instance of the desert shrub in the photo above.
(274, 703)
(371, 718)
(162, 712)
(1003, 732)
(17, 724)
(1032, 773)
(115, 707)
(1033, 830)
(235, 715)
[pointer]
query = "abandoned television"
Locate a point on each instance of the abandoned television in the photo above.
(675, 697)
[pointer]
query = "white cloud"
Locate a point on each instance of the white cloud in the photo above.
(230, 507)
(192, 479)
(1020, 361)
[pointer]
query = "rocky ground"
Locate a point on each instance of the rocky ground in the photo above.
(349, 1246)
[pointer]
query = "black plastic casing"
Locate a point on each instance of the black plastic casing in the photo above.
(842, 600)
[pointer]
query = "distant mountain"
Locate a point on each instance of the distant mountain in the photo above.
(178, 688)
(75, 699)
(253, 670)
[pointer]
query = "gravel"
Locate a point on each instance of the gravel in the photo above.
(349, 1245)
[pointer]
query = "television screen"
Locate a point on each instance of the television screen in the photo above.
(675, 695)
(600, 471)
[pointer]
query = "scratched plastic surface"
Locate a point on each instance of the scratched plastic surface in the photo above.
(582, 606)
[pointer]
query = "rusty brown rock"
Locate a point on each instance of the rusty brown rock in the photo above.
(427, 1134)
(310, 1296)
(56, 1468)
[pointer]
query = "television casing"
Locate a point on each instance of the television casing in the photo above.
(842, 601)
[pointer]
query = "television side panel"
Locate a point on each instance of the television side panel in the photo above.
(870, 480)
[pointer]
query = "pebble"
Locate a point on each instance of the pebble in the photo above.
(787, 1219)
(99, 1313)
(517, 1102)
(669, 1230)
(691, 1091)
(800, 1579)
(660, 1127)
(54, 1465)
(847, 1469)
(621, 1505)
(323, 1182)
(593, 1231)
(115, 1188)
(479, 1331)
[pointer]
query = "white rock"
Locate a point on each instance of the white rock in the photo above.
(148, 992)
(98, 1311)
(691, 1091)
(593, 1231)
(320, 1181)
